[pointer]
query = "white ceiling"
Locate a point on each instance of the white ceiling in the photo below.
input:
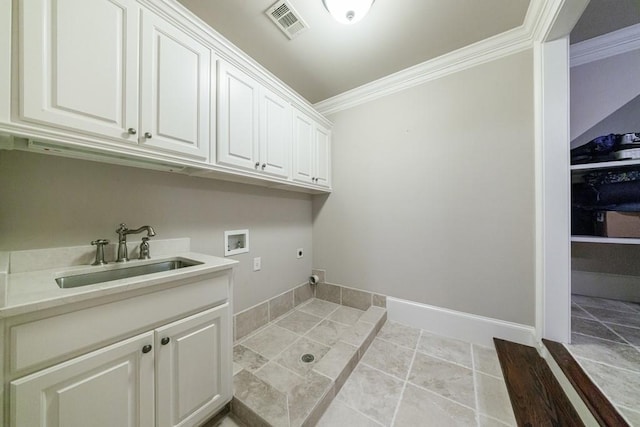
(331, 58)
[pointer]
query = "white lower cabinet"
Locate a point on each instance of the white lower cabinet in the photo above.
(175, 375)
(191, 375)
(109, 387)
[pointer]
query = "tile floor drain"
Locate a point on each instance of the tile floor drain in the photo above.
(307, 358)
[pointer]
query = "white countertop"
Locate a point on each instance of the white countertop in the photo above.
(28, 291)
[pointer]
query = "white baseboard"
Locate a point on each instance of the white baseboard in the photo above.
(456, 324)
(604, 285)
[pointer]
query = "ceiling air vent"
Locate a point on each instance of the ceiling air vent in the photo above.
(287, 19)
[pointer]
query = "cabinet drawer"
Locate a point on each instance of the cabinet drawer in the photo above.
(52, 339)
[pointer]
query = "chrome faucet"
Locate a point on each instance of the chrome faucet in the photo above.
(122, 239)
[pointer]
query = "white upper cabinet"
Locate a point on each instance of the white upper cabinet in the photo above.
(303, 133)
(82, 70)
(311, 151)
(275, 134)
(175, 89)
(254, 124)
(144, 82)
(322, 156)
(79, 67)
(237, 118)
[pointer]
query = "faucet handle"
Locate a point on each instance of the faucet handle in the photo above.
(122, 228)
(99, 251)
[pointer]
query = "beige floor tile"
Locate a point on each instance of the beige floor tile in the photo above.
(356, 298)
(339, 414)
(632, 417)
(444, 378)
(357, 333)
(328, 292)
(283, 379)
(319, 307)
(251, 319)
(388, 357)
(609, 304)
(336, 359)
(486, 360)
(346, 315)
(299, 322)
(445, 348)
(632, 335)
(247, 358)
(280, 305)
(262, 398)
(270, 341)
(593, 328)
(306, 395)
(493, 398)
(620, 386)
(611, 353)
(397, 333)
(577, 311)
(373, 314)
(422, 408)
(227, 421)
(327, 332)
(291, 357)
(485, 421)
(616, 317)
(373, 393)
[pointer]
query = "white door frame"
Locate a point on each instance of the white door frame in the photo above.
(553, 191)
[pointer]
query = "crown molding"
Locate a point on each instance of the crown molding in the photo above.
(605, 46)
(501, 45)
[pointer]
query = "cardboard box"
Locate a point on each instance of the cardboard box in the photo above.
(622, 224)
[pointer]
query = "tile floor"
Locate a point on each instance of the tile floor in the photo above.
(605, 340)
(410, 377)
(273, 384)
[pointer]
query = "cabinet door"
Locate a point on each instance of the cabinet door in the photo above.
(79, 65)
(275, 134)
(108, 387)
(322, 151)
(303, 143)
(237, 118)
(175, 89)
(193, 368)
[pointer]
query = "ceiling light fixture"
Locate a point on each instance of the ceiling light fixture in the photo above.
(348, 11)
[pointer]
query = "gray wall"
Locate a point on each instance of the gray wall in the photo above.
(434, 194)
(48, 201)
(601, 87)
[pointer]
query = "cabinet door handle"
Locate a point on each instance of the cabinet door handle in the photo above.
(148, 135)
(264, 165)
(257, 165)
(132, 131)
(165, 340)
(147, 348)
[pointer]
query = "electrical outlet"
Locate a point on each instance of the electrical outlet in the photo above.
(299, 253)
(257, 264)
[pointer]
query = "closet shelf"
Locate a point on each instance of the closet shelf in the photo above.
(610, 240)
(604, 165)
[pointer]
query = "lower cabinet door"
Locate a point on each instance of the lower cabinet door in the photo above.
(193, 368)
(109, 387)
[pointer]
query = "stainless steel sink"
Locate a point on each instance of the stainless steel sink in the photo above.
(123, 273)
